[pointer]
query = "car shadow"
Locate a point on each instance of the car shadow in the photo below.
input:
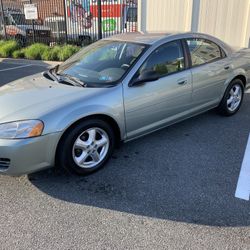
(185, 173)
(11, 70)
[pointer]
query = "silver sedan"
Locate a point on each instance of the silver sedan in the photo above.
(114, 90)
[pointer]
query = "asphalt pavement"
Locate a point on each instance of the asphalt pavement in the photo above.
(11, 70)
(173, 189)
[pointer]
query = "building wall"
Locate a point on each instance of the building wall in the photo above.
(225, 19)
(46, 8)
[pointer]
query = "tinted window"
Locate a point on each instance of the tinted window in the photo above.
(165, 60)
(203, 51)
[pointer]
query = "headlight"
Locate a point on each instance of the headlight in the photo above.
(21, 129)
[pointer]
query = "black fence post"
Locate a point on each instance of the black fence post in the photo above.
(99, 19)
(33, 27)
(4, 27)
(65, 21)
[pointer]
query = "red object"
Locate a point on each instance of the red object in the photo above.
(68, 11)
(108, 10)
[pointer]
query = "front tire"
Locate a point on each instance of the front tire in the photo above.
(86, 147)
(232, 99)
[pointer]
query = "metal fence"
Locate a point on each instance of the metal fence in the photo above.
(65, 21)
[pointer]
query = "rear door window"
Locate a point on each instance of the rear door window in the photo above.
(203, 51)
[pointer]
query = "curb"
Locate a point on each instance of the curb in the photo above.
(31, 62)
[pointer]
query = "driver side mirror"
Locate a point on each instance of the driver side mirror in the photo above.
(146, 76)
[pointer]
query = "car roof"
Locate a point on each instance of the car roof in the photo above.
(141, 37)
(153, 38)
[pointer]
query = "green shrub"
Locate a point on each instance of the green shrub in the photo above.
(46, 55)
(67, 51)
(1, 42)
(18, 54)
(35, 51)
(52, 54)
(55, 53)
(8, 47)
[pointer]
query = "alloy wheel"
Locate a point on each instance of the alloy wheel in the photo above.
(234, 97)
(90, 148)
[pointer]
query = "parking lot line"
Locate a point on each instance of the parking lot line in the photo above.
(11, 62)
(17, 67)
(243, 186)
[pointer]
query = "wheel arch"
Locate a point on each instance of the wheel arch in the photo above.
(111, 121)
(242, 78)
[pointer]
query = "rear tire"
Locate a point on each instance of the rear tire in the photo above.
(232, 99)
(86, 147)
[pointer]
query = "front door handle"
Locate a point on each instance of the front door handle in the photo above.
(182, 82)
(227, 67)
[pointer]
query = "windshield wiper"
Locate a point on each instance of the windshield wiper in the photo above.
(50, 73)
(71, 80)
(60, 78)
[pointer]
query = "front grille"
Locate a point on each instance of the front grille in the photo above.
(4, 163)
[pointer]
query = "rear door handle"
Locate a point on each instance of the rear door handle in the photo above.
(227, 67)
(182, 82)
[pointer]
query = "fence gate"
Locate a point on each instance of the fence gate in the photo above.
(65, 21)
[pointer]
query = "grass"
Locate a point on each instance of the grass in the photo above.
(67, 51)
(7, 48)
(37, 51)
(52, 53)
(18, 54)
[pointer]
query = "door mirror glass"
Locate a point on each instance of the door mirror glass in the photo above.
(145, 76)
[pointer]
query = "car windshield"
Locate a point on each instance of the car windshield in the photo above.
(102, 63)
(20, 19)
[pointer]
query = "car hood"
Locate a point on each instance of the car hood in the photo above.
(34, 96)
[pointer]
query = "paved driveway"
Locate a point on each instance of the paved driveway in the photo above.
(173, 189)
(11, 70)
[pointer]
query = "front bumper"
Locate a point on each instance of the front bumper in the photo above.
(24, 156)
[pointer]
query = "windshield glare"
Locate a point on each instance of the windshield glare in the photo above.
(103, 62)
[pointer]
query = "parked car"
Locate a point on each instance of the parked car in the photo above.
(115, 90)
(18, 27)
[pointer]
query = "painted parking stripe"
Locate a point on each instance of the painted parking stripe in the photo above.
(17, 67)
(15, 63)
(243, 186)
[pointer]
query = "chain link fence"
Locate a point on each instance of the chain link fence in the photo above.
(77, 22)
